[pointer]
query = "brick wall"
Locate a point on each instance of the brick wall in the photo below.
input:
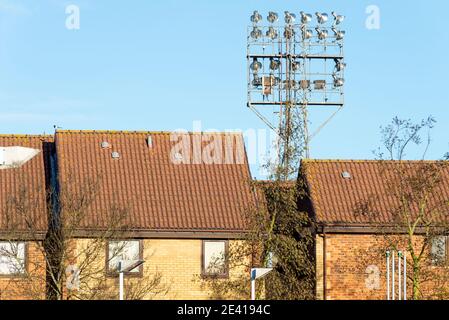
(348, 261)
(177, 261)
(352, 262)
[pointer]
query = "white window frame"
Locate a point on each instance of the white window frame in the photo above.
(204, 267)
(112, 258)
(13, 253)
(441, 257)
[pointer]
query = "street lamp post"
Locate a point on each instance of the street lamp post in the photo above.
(257, 273)
(122, 275)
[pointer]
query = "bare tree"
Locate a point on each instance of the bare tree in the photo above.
(417, 206)
(279, 233)
(73, 266)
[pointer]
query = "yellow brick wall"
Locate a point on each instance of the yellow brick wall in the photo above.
(177, 260)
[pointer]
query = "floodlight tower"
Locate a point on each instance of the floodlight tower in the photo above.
(292, 66)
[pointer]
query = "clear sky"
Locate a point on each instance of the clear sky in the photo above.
(160, 65)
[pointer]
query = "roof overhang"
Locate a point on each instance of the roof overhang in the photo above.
(370, 228)
(164, 234)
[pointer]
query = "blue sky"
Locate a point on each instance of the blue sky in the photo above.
(160, 65)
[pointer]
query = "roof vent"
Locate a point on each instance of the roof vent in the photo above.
(105, 145)
(346, 175)
(115, 155)
(150, 142)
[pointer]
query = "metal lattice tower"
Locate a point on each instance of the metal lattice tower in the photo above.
(293, 66)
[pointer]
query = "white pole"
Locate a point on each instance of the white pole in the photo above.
(399, 275)
(405, 275)
(388, 275)
(253, 289)
(392, 277)
(120, 281)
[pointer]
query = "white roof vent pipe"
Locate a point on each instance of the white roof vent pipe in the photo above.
(115, 155)
(346, 175)
(105, 145)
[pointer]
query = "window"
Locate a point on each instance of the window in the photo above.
(215, 258)
(439, 252)
(12, 258)
(127, 252)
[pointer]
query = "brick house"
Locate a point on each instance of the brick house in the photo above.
(183, 202)
(346, 239)
(24, 180)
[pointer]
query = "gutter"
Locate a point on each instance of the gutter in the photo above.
(324, 267)
(368, 229)
(324, 236)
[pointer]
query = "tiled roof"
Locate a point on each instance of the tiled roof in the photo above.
(25, 186)
(337, 200)
(159, 194)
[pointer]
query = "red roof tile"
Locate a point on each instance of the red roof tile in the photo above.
(160, 195)
(336, 200)
(26, 185)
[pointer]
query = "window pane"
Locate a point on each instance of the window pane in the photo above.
(438, 249)
(128, 252)
(214, 257)
(12, 258)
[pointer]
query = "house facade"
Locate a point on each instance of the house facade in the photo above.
(24, 181)
(174, 201)
(354, 210)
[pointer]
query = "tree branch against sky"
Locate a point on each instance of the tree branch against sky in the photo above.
(49, 77)
(417, 207)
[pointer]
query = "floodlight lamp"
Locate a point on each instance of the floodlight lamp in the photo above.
(275, 80)
(272, 17)
(305, 17)
(338, 18)
(339, 34)
(290, 84)
(289, 32)
(274, 64)
(338, 82)
(307, 34)
(289, 17)
(339, 65)
(256, 17)
(255, 66)
(296, 65)
(319, 84)
(322, 17)
(272, 33)
(256, 33)
(257, 81)
(322, 34)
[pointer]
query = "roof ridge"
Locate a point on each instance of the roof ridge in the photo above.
(144, 132)
(12, 135)
(363, 161)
